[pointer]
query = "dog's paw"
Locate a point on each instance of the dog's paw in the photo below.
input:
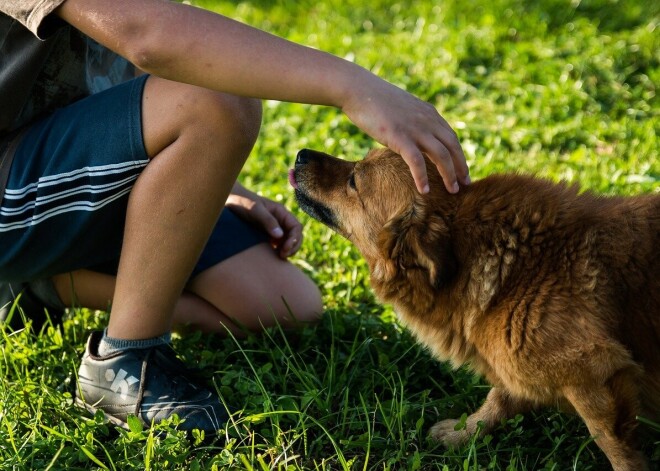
(445, 432)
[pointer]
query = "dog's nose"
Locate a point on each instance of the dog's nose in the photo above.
(303, 157)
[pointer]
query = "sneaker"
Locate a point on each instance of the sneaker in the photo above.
(151, 384)
(32, 306)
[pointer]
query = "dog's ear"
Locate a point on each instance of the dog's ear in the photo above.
(413, 242)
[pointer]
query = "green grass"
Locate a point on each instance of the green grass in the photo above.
(565, 90)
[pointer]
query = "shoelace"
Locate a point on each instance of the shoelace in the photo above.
(194, 375)
(181, 372)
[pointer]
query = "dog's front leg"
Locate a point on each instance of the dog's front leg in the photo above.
(499, 404)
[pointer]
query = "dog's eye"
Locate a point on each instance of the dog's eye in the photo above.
(351, 181)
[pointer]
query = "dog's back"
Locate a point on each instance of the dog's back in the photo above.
(601, 252)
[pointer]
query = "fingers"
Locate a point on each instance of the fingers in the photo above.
(438, 153)
(408, 126)
(447, 155)
(290, 246)
(290, 238)
(443, 148)
(451, 144)
(281, 225)
(260, 214)
(429, 134)
(415, 160)
(426, 132)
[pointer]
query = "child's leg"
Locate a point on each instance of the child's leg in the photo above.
(243, 278)
(71, 196)
(257, 289)
(197, 141)
(238, 276)
(253, 289)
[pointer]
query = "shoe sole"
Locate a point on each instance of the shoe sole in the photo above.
(109, 418)
(209, 437)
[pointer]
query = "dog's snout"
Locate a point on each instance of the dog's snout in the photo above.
(307, 156)
(303, 157)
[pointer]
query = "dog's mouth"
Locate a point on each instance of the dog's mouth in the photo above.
(292, 179)
(314, 208)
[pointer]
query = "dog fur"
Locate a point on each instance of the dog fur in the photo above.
(552, 295)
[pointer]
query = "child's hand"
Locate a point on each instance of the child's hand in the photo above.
(409, 127)
(282, 226)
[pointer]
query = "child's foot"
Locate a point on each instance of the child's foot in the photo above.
(150, 383)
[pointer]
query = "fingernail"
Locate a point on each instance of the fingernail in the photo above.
(426, 189)
(467, 180)
(455, 187)
(277, 232)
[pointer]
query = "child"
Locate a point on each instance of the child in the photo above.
(114, 175)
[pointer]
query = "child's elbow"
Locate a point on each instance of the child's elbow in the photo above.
(146, 52)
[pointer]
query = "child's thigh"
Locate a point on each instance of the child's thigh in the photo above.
(65, 202)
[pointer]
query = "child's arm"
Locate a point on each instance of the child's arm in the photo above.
(195, 46)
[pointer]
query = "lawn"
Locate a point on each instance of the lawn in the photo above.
(562, 89)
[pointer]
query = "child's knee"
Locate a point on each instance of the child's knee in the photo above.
(306, 303)
(231, 120)
(233, 117)
(221, 121)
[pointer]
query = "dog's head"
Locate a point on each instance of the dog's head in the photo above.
(374, 204)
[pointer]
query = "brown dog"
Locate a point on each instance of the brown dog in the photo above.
(552, 295)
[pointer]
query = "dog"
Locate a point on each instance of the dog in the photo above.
(550, 294)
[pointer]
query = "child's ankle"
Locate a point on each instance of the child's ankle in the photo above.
(109, 345)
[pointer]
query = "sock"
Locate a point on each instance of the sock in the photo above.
(109, 345)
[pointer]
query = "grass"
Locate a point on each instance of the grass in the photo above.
(565, 90)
